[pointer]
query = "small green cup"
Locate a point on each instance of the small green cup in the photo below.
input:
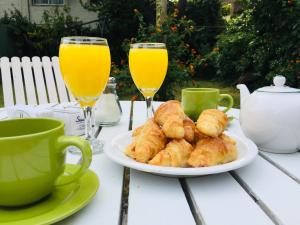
(32, 159)
(195, 100)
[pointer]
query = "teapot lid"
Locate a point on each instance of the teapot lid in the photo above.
(278, 86)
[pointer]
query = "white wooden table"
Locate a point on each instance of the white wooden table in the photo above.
(263, 193)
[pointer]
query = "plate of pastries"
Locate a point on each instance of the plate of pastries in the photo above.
(171, 144)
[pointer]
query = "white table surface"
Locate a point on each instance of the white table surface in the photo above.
(265, 192)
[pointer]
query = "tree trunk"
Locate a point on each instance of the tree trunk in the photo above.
(161, 11)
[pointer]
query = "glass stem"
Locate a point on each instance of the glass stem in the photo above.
(149, 107)
(89, 123)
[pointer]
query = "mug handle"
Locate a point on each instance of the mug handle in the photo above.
(84, 146)
(230, 101)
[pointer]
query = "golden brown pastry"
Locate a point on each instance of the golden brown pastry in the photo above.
(212, 122)
(199, 135)
(189, 129)
(231, 147)
(169, 116)
(173, 127)
(130, 150)
(175, 154)
(148, 143)
(137, 131)
(213, 151)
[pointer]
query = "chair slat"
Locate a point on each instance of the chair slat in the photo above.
(62, 91)
(28, 81)
(18, 80)
(72, 99)
(39, 80)
(49, 78)
(6, 82)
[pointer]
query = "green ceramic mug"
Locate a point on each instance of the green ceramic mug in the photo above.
(32, 159)
(195, 100)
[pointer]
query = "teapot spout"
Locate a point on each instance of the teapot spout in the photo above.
(244, 92)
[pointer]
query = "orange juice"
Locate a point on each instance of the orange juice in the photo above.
(148, 68)
(85, 69)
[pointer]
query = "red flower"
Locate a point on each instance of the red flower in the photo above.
(174, 28)
(134, 98)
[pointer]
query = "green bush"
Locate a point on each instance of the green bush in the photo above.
(119, 21)
(207, 16)
(44, 39)
(56, 24)
(176, 33)
(260, 43)
(225, 9)
(18, 26)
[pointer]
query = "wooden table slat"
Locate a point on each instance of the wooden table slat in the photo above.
(105, 208)
(153, 199)
(221, 193)
(274, 189)
(289, 163)
(276, 192)
(221, 200)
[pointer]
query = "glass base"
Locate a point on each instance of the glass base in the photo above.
(108, 124)
(96, 145)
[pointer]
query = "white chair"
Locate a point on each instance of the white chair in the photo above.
(32, 81)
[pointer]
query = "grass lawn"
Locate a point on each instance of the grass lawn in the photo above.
(177, 90)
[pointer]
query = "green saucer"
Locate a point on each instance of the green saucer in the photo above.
(61, 203)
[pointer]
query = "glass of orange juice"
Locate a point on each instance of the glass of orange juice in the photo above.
(148, 64)
(85, 66)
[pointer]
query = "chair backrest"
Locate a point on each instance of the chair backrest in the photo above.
(32, 81)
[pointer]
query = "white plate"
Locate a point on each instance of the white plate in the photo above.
(247, 151)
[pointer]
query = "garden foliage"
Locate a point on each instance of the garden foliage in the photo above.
(261, 41)
(44, 38)
(258, 44)
(176, 32)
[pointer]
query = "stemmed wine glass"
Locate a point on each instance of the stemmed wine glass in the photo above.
(85, 65)
(148, 64)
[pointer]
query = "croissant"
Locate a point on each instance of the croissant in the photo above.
(189, 129)
(213, 151)
(169, 116)
(212, 122)
(148, 143)
(231, 147)
(137, 131)
(175, 154)
(173, 127)
(130, 150)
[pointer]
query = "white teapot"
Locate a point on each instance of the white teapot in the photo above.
(270, 116)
